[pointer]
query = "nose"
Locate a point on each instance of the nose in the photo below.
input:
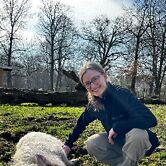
(92, 86)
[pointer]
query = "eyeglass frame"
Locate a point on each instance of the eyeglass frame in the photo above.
(87, 85)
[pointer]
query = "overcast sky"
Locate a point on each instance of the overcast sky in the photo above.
(86, 10)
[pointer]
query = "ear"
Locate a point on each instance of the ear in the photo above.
(105, 76)
(43, 161)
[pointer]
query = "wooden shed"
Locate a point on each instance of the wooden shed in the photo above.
(3, 70)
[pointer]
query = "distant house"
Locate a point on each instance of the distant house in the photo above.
(3, 70)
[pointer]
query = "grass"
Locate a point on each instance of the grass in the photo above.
(15, 121)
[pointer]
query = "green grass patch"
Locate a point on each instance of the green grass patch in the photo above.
(15, 121)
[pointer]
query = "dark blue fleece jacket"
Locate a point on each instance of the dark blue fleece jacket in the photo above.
(122, 112)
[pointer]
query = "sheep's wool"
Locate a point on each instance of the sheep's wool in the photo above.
(39, 143)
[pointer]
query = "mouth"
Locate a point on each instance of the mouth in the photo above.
(96, 90)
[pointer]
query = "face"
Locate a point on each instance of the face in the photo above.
(95, 82)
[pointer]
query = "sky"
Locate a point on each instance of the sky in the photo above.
(86, 10)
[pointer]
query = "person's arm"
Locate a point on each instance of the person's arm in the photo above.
(86, 117)
(138, 116)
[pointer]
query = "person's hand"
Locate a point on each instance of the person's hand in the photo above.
(66, 149)
(112, 134)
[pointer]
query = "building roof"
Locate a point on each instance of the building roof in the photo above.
(6, 68)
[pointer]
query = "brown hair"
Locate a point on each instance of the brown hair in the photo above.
(92, 66)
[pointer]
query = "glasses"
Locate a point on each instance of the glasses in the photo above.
(93, 80)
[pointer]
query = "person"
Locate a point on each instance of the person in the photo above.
(126, 121)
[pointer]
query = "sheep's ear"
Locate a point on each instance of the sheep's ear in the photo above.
(42, 161)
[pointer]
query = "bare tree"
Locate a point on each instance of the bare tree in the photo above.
(57, 36)
(102, 41)
(157, 42)
(145, 42)
(137, 26)
(29, 66)
(66, 47)
(13, 14)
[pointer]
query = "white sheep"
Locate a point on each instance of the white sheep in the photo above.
(40, 149)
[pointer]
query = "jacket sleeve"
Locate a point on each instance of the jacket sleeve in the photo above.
(86, 117)
(137, 115)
